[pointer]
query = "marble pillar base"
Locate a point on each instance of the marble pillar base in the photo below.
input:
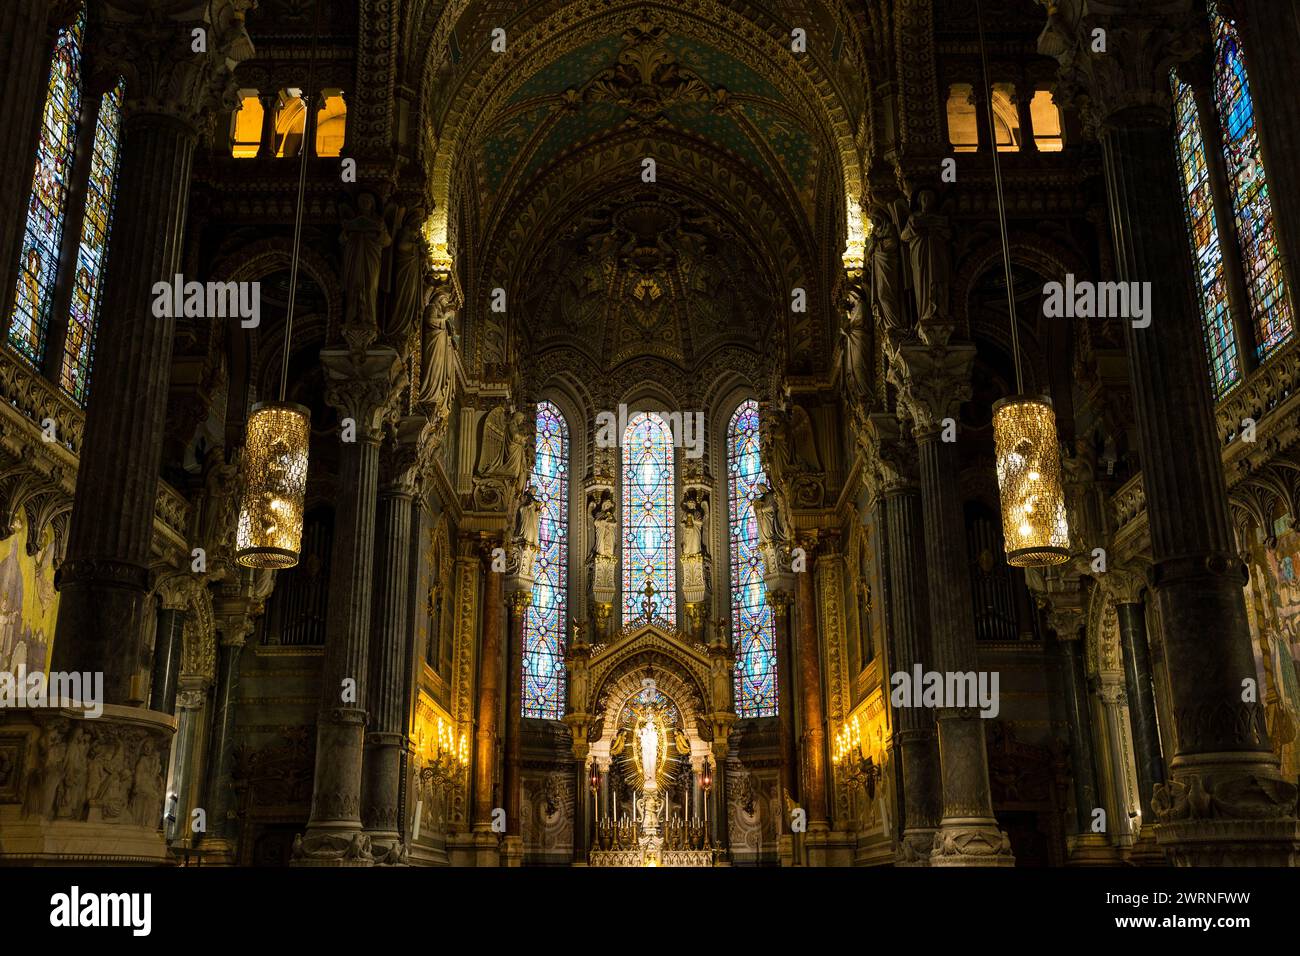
(914, 849)
(1227, 809)
(1093, 849)
(88, 790)
(978, 843)
(383, 771)
(788, 850)
(1147, 850)
(218, 851)
(512, 851)
(483, 848)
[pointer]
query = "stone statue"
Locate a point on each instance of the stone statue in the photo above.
(887, 272)
(605, 526)
(767, 514)
(437, 358)
(408, 272)
(528, 521)
(72, 793)
(364, 238)
(857, 349)
(695, 517)
(146, 792)
(929, 240)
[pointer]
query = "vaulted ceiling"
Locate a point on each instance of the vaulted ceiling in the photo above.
(540, 183)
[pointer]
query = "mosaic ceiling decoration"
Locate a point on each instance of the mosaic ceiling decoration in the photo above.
(646, 78)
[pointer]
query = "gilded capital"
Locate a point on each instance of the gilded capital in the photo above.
(932, 383)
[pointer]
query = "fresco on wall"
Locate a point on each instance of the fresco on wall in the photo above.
(28, 603)
(1275, 583)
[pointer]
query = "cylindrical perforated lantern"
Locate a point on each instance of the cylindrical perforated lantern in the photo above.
(1034, 523)
(275, 484)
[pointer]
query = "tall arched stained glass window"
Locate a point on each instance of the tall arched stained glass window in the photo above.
(1270, 305)
(1203, 229)
(649, 568)
(543, 667)
(753, 629)
(92, 250)
(47, 207)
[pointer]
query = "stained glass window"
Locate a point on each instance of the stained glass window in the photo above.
(39, 259)
(648, 532)
(1252, 206)
(543, 668)
(92, 251)
(753, 629)
(1198, 203)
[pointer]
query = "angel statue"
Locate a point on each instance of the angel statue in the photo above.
(504, 448)
(695, 516)
(364, 238)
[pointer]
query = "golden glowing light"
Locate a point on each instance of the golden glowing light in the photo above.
(246, 127)
(275, 483)
(1034, 522)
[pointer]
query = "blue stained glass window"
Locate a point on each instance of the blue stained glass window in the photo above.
(1270, 305)
(92, 251)
(753, 628)
(47, 206)
(648, 531)
(1198, 204)
(543, 667)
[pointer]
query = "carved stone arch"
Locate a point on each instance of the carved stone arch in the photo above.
(1103, 647)
(264, 258)
(184, 591)
(680, 673)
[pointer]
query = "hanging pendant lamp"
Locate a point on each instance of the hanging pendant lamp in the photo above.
(269, 534)
(1035, 530)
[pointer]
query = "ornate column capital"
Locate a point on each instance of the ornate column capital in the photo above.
(402, 463)
(1124, 585)
(154, 49)
(1115, 55)
(932, 383)
(365, 387)
(891, 460)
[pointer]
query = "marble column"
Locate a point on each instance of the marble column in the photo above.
(1227, 803)
(166, 659)
(520, 599)
(812, 717)
(364, 387)
(388, 691)
(223, 826)
(933, 381)
(184, 788)
(104, 580)
(908, 614)
(1078, 716)
(780, 597)
(1138, 686)
(489, 700)
(27, 31)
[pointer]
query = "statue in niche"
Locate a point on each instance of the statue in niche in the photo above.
(887, 273)
(528, 521)
(408, 271)
(767, 514)
(857, 349)
(604, 525)
(504, 448)
(437, 357)
(694, 523)
(364, 238)
(929, 240)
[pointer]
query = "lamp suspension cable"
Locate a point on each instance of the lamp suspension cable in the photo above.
(1002, 203)
(309, 95)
